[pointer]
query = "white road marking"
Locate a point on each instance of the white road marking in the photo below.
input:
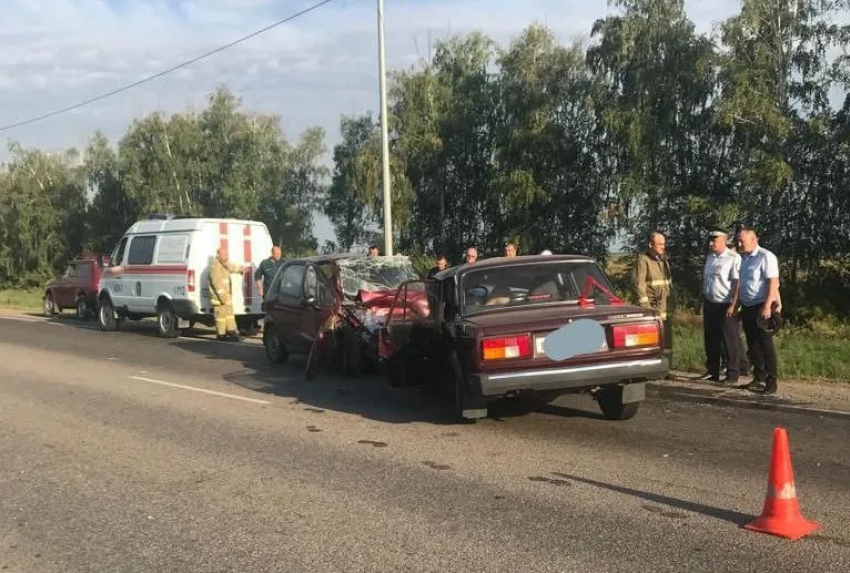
(21, 319)
(201, 390)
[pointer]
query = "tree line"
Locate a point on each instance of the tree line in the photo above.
(647, 125)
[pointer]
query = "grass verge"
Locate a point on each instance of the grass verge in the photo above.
(805, 353)
(21, 299)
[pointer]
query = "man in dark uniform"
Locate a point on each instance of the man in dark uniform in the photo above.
(266, 272)
(441, 264)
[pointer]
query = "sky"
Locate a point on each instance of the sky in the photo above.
(310, 72)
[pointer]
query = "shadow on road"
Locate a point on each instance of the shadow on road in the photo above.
(716, 512)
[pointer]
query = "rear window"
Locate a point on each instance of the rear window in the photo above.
(141, 250)
(84, 271)
(172, 249)
(538, 283)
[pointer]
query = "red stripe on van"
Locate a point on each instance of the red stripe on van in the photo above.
(246, 257)
(222, 230)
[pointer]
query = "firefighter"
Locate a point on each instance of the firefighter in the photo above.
(654, 285)
(221, 295)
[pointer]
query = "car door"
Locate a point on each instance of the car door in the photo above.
(286, 307)
(410, 323)
(112, 278)
(316, 304)
(66, 286)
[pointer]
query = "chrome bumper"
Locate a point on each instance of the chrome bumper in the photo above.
(573, 378)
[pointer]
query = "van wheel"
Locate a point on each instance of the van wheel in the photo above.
(83, 311)
(167, 321)
(610, 401)
(275, 350)
(106, 317)
(49, 306)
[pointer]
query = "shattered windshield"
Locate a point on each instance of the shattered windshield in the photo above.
(374, 273)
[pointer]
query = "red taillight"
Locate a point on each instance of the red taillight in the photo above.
(190, 280)
(631, 335)
(507, 347)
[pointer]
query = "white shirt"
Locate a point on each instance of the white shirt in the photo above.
(757, 269)
(719, 273)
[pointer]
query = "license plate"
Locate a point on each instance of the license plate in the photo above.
(538, 346)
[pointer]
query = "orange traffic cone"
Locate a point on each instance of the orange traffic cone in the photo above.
(781, 515)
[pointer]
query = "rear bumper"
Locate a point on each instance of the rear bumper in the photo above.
(184, 308)
(573, 378)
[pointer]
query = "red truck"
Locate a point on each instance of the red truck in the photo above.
(77, 288)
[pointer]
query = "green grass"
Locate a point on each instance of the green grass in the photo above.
(817, 351)
(21, 299)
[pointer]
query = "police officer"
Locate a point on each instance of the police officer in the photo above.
(266, 271)
(759, 296)
(654, 284)
(720, 308)
(221, 295)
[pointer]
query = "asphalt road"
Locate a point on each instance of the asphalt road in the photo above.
(126, 452)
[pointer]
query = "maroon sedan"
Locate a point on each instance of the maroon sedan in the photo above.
(77, 288)
(480, 332)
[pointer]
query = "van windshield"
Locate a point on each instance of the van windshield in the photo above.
(535, 283)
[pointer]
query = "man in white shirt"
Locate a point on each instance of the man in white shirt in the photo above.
(720, 319)
(759, 296)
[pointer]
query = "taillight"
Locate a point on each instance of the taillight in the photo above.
(507, 347)
(630, 335)
(190, 280)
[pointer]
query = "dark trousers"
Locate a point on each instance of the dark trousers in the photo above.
(721, 332)
(760, 344)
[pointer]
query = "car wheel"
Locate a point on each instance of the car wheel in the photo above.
(106, 316)
(457, 396)
(83, 311)
(351, 355)
(610, 401)
(167, 321)
(393, 372)
(49, 306)
(275, 350)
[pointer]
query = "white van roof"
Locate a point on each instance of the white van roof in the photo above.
(177, 225)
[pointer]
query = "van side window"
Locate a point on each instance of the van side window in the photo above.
(118, 256)
(141, 250)
(171, 249)
(291, 278)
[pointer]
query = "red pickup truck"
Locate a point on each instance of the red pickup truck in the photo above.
(77, 288)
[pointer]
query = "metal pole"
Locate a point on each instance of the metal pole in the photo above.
(385, 146)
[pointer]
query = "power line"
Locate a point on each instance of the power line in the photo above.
(164, 72)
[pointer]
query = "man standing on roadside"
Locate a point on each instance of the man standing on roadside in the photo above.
(441, 264)
(759, 296)
(510, 250)
(654, 285)
(470, 256)
(720, 308)
(221, 295)
(266, 272)
(373, 251)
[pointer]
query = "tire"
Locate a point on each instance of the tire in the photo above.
(393, 373)
(351, 354)
(107, 319)
(610, 401)
(275, 351)
(166, 321)
(83, 310)
(49, 306)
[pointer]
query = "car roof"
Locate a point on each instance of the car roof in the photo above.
(511, 261)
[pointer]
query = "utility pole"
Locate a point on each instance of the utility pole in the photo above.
(385, 146)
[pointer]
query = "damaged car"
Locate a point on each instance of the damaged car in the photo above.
(504, 327)
(331, 308)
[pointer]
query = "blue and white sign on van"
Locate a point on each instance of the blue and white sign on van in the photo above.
(583, 336)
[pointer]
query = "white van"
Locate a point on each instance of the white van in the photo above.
(161, 268)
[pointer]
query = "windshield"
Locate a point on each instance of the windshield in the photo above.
(537, 283)
(374, 273)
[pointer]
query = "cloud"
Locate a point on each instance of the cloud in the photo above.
(309, 72)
